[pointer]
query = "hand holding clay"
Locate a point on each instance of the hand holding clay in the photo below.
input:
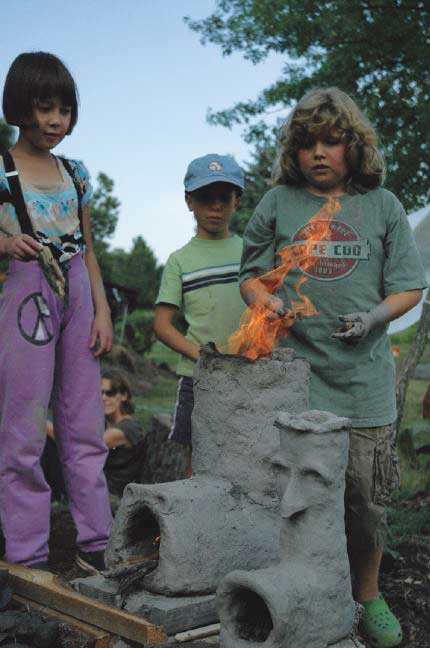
(358, 325)
(275, 305)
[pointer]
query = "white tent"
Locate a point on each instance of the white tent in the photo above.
(420, 223)
(422, 237)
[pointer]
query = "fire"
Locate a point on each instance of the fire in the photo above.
(259, 327)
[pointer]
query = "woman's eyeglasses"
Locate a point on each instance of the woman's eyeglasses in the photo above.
(109, 392)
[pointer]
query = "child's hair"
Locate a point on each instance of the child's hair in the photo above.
(317, 113)
(119, 383)
(36, 77)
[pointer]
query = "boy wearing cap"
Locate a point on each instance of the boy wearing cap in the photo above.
(201, 278)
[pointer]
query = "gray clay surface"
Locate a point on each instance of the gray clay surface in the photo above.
(224, 518)
(305, 600)
(174, 613)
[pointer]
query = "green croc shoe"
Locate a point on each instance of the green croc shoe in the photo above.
(379, 625)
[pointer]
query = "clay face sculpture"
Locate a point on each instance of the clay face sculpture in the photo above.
(305, 600)
(266, 495)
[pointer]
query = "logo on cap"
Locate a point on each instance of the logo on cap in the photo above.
(215, 165)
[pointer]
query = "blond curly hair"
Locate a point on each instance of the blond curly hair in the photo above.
(317, 114)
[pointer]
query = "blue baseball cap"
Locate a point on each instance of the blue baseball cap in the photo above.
(213, 168)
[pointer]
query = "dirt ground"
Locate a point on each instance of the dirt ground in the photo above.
(406, 587)
(405, 581)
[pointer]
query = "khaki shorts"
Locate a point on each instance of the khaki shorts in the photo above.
(371, 476)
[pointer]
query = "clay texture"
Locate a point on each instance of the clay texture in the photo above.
(305, 600)
(225, 517)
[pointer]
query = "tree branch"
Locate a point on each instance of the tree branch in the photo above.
(407, 368)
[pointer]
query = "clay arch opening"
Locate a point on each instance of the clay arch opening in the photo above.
(143, 534)
(250, 615)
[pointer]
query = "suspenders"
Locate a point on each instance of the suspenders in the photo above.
(78, 190)
(16, 193)
(17, 199)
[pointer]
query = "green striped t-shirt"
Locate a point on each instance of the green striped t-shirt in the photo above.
(202, 280)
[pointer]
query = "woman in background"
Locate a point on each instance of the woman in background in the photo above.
(123, 434)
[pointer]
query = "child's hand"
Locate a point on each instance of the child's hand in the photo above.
(22, 247)
(275, 306)
(358, 325)
(355, 327)
(254, 293)
(101, 334)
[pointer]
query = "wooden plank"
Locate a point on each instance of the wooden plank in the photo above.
(198, 633)
(47, 589)
(97, 638)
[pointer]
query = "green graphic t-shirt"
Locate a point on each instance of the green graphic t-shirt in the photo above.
(367, 253)
(202, 279)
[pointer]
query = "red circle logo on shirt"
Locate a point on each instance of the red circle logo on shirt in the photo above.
(337, 253)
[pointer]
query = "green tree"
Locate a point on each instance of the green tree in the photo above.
(376, 50)
(104, 209)
(257, 179)
(104, 213)
(137, 269)
(7, 135)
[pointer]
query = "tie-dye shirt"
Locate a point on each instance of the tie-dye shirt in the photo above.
(53, 210)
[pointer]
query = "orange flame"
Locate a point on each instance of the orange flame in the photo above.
(259, 327)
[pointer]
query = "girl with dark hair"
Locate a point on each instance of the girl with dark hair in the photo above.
(123, 434)
(54, 321)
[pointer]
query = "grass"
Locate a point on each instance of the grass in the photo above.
(161, 398)
(403, 340)
(161, 354)
(406, 521)
(415, 475)
(414, 402)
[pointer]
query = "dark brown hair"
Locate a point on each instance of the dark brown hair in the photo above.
(37, 77)
(119, 383)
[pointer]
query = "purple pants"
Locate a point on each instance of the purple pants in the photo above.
(44, 350)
